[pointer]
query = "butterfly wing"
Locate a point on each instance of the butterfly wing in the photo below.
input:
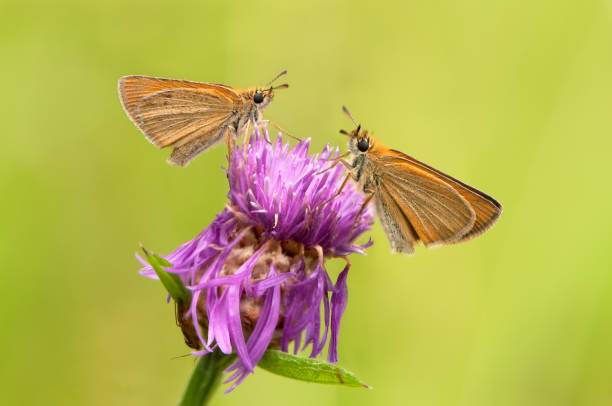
(198, 141)
(486, 208)
(175, 111)
(423, 207)
(400, 233)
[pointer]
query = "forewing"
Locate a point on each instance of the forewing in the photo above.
(168, 110)
(434, 211)
(172, 116)
(486, 208)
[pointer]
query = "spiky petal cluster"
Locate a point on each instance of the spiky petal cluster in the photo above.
(257, 273)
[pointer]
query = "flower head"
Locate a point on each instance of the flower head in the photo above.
(257, 273)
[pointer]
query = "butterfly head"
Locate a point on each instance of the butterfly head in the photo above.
(264, 96)
(359, 141)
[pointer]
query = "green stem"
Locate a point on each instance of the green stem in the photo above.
(205, 379)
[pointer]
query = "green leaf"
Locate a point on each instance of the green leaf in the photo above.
(171, 281)
(308, 369)
(162, 261)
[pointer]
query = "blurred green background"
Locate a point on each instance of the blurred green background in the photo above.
(511, 97)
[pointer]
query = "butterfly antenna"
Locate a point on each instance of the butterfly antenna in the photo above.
(275, 78)
(348, 113)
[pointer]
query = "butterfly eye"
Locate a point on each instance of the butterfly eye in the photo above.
(258, 97)
(363, 145)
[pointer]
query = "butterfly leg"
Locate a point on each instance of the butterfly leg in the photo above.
(337, 193)
(230, 136)
(363, 206)
(278, 127)
(330, 168)
(247, 138)
(337, 161)
(339, 157)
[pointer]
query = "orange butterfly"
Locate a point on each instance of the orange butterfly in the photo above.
(191, 116)
(415, 202)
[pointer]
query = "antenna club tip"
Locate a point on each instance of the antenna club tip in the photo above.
(276, 77)
(348, 113)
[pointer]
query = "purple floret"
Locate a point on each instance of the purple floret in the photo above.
(257, 273)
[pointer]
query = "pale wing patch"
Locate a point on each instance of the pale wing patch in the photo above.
(398, 230)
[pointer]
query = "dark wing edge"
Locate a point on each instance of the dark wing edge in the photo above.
(487, 209)
(435, 211)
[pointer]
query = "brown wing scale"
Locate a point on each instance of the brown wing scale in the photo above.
(486, 208)
(201, 139)
(167, 110)
(434, 210)
(171, 115)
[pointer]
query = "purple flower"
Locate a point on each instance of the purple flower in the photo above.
(257, 273)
